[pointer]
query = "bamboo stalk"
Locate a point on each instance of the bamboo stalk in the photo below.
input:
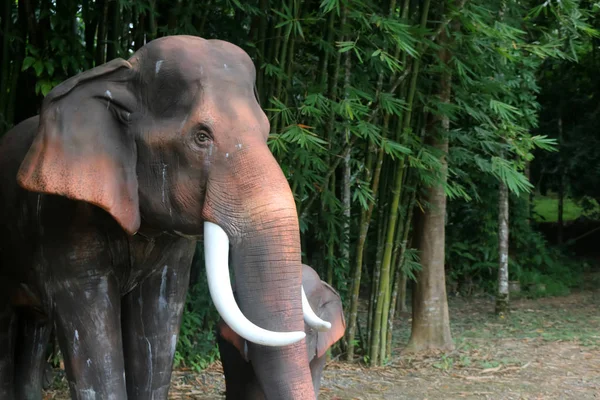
(411, 207)
(283, 63)
(379, 328)
(14, 80)
(21, 105)
(30, 22)
(324, 79)
(381, 227)
(346, 196)
(290, 70)
(6, 18)
(400, 275)
(332, 94)
(325, 63)
(331, 244)
(378, 343)
(365, 218)
(365, 221)
(90, 20)
(102, 6)
(113, 31)
(152, 21)
(202, 24)
(262, 39)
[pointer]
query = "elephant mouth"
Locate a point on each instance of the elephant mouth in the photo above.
(216, 253)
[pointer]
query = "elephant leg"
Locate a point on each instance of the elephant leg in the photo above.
(30, 363)
(316, 371)
(88, 329)
(240, 380)
(151, 318)
(8, 325)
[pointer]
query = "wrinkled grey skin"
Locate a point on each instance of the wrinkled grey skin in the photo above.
(240, 378)
(102, 198)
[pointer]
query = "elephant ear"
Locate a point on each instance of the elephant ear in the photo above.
(330, 309)
(233, 338)
(82, 149)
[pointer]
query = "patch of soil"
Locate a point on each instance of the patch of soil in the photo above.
(548, 371)
(518, 361)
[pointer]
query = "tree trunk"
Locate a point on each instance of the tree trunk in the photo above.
(502, 295)
(561, 181)
(431, 322)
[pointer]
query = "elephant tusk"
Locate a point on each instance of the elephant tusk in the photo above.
(311, 318)
(216, 253)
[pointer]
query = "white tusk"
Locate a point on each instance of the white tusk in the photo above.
(311, 318)
(216, 254)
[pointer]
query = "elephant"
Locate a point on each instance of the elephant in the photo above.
(240, 377)
(103, 197)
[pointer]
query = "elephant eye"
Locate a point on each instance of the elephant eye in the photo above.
(202, 137)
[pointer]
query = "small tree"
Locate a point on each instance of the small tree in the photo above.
(502, 295)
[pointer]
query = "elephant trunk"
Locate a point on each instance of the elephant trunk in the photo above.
(269, 277)
(256, 209)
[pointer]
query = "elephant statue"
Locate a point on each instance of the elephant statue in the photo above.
(240, 374)
(103, 197)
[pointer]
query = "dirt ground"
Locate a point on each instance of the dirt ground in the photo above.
(546, 349)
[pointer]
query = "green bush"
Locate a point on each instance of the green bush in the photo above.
(541, 269)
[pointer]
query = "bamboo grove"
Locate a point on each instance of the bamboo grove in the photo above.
(378, 108)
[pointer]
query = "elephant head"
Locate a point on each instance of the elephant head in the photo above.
(239, 368)
(173, 140)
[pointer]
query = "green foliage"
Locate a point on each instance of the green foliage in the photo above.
(472, 249)
(535, 262)
(569, 106)
(62, 56)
